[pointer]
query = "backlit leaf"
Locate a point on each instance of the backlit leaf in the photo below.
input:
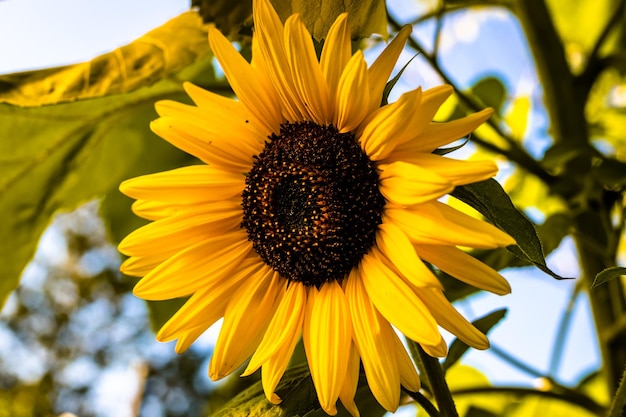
(488, 198)
(517, 117)
(608, 275)
(55, 157)
(157, 54)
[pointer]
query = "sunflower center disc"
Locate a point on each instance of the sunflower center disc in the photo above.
(311, 205)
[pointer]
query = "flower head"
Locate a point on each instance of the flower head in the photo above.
(312, 216)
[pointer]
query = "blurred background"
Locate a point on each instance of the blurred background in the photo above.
(74, 339)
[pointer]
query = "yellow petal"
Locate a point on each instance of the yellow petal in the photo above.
(336, 52)
(408, 374)
(192, 184)
(348, 389)
(208, 143)
(138, 267)
(464, 267)
(156, 210)
(407, 184)
(219, 116)
(326, 333)
(440, 134)
(173, 234)
(198, 264)
(208, 304)
(381, 69)
(373, 337)
(252, 90)
(450, 319)
(396, 301)
(385, 128)
(246, 318)
(454, 171)
(274, 367)
(397, 248)
(423, 225)
(306, 72)
(188, 336)
(284, 329)
(352, 92)
(271, 44)
(439, 350)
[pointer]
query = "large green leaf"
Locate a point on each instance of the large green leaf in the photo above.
(157, 54)
(366, 16)
(488, 198)
(55, 157)
(299, 399)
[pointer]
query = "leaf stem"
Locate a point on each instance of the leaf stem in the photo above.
(431, 372)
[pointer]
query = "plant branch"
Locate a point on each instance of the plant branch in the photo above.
(561, 334)
(515, 152)
(571, 397)
(424, 402)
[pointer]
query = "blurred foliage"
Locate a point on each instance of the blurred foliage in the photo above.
(71, 134)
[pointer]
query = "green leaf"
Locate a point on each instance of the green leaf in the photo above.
(366, 16)
(56, 157)
(157, 54)
(295, 389)
(484, 324)
(391, 83)
(299, 399)
(232, 18)
(491, 201)
(581, 26)
(445, 151)
(491, 93)
(608, 275)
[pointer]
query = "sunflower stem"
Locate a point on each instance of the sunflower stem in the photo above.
(433, 379)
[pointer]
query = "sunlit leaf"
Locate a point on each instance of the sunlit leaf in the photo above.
(157, 54)
(462, 377)
(529, 193)
(517, 117)
(538, 405)
(55, 157)
(484, 324)
(608, 275)
(581, 26)
(491, 201)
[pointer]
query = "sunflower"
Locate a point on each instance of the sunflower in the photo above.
(313, 215)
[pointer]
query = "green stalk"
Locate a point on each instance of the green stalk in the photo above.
(433, 379)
